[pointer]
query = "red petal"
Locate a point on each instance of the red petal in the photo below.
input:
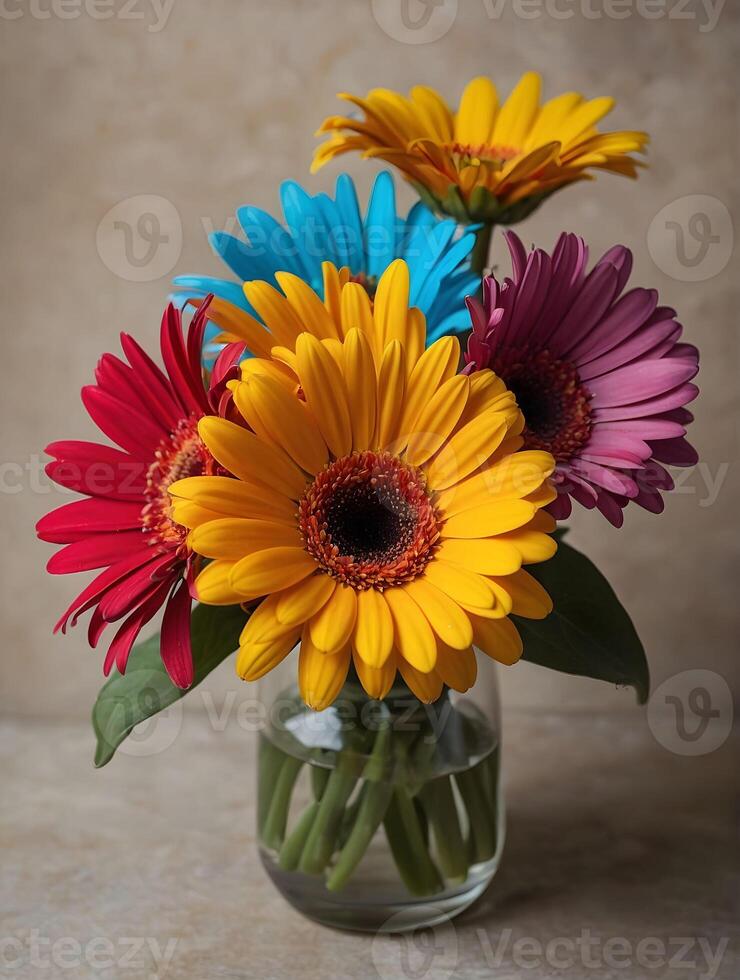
(97, 470)
(83, 518)
(175, 646)
(133, 431)
(96, 552)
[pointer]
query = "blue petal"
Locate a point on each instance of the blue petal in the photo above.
(381, 225)
(348, 208)
(305, 221)
(272, 245)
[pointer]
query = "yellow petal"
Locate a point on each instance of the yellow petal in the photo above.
(189, 514)
(436, 365)
(285, 421)
(414, 639)
(548, 125)
(241, 326)
(533, 546)
(391, 303)
(497, 638)
(518, 112)
(320, 675)
(489, 519)
(257, 659)
(445, 616)
(271, 570)
(528, 597)
(249, 458)
(459, 584)
(361, 387)
(233, 498)
(426, 686)
(310, 310)
(373, 636)
(583, 118)
(377, 681)
(543, 496)
(487, 556)
(299, 603)
(275, 312)
(332, 626)
(435, 112)
(212, 585)
(231, 538)
(517, 475)
(391, 390)
(263, 626)
(325, 393)
(357, 313)
(437, 419)
(457, 668)
(477, 113)
(468, 449)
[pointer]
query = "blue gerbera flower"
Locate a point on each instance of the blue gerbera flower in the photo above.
(320, 228)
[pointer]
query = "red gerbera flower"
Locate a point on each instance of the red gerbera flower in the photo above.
(125, 525)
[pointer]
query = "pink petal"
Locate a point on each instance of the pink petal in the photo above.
(642, 343)
(638, 382)
(652, 406)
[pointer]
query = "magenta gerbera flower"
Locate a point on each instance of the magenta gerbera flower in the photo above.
(599, 374)
(124, 525)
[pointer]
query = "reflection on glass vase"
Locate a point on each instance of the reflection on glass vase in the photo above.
(376, 810)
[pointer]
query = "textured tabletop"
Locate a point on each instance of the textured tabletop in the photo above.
(621, 861)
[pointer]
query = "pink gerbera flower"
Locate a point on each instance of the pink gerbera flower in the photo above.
(124, 525)
(599, 374)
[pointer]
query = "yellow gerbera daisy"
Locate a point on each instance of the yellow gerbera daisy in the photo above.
(379, 509)
(348, 302)
(484, 162)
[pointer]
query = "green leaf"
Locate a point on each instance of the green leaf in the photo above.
(145, 689)
(589, 632)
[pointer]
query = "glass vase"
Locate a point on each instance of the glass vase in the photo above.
(380, 815)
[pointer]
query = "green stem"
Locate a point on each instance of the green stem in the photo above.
(290, 852)
(322, 837)
(319, 779)
(373, 807)
(438, 800)
(481, 249)
(406, 839)
(277, 817)
(373, 803)
(482, 817)
(270, 761)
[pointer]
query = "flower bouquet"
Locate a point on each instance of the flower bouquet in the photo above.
(350, 466)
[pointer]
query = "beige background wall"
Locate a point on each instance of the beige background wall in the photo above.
(211, 107)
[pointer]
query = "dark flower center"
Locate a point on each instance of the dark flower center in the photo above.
(368, 283)
(554, 403)
(368, 520)
(183, 454)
